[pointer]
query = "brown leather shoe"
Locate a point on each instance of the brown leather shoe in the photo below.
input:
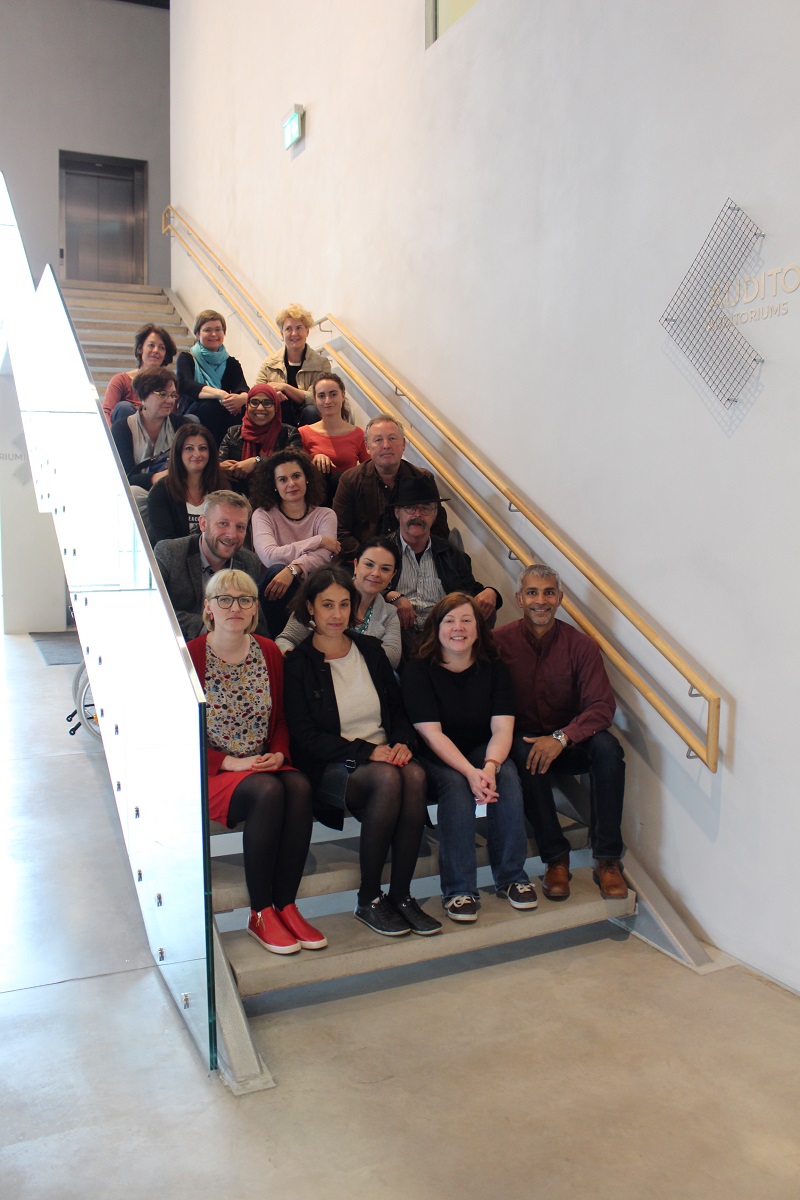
(555, 884)
(608, 878)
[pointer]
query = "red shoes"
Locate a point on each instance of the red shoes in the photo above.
(308, 937)
(268, 929)
(284, 931)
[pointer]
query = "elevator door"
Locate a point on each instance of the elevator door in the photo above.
(103, 218)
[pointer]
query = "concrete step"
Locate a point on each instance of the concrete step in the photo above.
(353, 949)
(85, 287)
(111, 330)
(332, 866)
(91, 310)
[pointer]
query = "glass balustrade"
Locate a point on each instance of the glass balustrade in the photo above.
(147, 699)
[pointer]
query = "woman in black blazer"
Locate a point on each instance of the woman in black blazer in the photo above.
(175, 503)
(351, 736)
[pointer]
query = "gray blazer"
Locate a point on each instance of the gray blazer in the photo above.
(182, 571)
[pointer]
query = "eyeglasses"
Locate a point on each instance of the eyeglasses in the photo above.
(167, 395)
(244, 602)
(259, 402)
(424, 509)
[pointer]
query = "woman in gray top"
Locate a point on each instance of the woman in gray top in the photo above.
(376, 565)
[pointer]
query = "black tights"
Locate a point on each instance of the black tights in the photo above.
(389, 802)
(276, 810)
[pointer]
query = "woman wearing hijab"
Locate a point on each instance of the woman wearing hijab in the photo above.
(261, 433)
(212, 384)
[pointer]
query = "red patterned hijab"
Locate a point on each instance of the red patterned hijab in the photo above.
(261, 439)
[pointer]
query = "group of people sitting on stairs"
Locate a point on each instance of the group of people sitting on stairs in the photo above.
(349, 659)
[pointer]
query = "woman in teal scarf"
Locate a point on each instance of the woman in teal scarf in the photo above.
(212, 383)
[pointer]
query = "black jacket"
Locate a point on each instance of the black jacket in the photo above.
(454, 568)
(231, 447)
(309, 701)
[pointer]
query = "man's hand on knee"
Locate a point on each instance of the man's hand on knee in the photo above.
(543, 751)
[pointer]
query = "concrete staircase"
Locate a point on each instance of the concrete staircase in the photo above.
(106, 317)
(332, 867)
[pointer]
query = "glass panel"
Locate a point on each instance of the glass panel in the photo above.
(147, 698)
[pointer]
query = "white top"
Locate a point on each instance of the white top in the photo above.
(194, 513)
(356, 699)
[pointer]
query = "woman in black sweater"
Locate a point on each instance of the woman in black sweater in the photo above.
(212, 383)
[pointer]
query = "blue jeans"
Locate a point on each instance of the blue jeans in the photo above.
(507, 839)
(602, 758)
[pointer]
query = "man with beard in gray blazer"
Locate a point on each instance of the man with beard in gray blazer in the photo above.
(188, 563)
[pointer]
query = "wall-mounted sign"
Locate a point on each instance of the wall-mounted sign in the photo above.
(294, 127)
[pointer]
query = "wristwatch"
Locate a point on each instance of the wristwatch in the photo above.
(560, 736)
(292, 569)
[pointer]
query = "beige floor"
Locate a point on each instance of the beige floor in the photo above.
(593, 1065)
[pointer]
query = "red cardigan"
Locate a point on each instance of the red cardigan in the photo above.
(278, 732)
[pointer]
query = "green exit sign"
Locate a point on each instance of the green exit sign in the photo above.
(293, 127)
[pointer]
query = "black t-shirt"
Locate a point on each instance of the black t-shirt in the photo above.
(462, 702)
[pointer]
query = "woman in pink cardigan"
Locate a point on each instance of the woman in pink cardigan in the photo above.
(250, 776)
(292, 533)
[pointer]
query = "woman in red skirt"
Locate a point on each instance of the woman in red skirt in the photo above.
(250, 777)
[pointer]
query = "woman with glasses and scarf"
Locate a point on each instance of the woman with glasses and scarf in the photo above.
(212, 383)
(250, 777)
(261, 433)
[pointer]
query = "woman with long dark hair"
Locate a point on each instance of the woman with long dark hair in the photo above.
(175, 503)
(375, 566)
(351, 736)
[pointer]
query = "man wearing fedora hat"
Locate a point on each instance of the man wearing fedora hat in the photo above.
(430, 566)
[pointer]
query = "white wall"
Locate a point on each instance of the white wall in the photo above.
(89, 76)
(504, 218)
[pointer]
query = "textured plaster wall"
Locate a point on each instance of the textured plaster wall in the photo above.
(503, 218)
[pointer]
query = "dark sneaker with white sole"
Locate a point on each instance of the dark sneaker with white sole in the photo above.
(416, 917)
(519, 895)
(461, 908)
(381, 917)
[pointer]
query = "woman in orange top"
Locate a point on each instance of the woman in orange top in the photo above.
(334, 443)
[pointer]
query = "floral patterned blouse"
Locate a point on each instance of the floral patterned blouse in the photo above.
(238, 703)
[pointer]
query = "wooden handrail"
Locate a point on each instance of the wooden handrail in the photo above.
(168, 228)
(707, 752)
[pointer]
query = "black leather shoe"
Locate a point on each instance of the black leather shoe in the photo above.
(416, 917)
(382, 918)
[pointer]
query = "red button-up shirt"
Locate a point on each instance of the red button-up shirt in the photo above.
(559, 681)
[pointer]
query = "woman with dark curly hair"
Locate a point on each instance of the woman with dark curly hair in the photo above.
(292, 533)
(152, 347)
(460, 699)
(175, 503)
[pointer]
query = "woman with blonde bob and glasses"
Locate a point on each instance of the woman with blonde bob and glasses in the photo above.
(250, 776)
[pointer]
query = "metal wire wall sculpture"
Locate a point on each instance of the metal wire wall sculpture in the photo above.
(695, 318)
